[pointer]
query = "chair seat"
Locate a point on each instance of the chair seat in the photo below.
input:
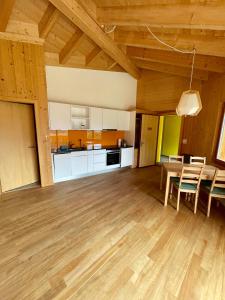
(186, 186)
(216, 190)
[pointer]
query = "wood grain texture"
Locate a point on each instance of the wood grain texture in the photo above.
(48, 20)
(77, 15)
(18, 151)
(161, 92)
(109, 237)
(6, 7)
(22, 76)
(202, 131)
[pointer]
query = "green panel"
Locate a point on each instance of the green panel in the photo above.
(171, 135)
(160, 135)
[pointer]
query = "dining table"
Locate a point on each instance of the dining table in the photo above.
(174, 169)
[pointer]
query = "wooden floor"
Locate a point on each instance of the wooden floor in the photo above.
(109, 237)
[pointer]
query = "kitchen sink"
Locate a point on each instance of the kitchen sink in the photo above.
(77, 149)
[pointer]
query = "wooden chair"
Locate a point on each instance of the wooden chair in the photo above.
(216, 189)
(176, 159)
(189, 183)
(197, 160)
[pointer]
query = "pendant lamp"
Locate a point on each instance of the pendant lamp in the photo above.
(190, 102)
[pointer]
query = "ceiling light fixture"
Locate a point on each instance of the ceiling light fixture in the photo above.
(190, 102)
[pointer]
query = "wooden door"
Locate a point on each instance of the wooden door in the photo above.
(149, 133)
(18, 151)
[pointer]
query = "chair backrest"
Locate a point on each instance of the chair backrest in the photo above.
(197, 160)
(176, 159)
(191, 174)
(218, 180)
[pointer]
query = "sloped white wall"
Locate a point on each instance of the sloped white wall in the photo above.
(90, 87)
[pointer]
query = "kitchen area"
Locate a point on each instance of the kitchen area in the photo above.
(87, 140)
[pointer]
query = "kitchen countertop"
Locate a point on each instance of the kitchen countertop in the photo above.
(84, 149)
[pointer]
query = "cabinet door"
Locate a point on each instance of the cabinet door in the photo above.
(95, 115)
(62, 166)
(79, 165)
(110, 119)
(127, 156)
(59, 116)
(123, 120)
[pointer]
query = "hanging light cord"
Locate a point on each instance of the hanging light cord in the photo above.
(193, 52)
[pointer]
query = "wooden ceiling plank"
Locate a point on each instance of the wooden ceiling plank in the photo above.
(70, 46)
(48, 20)
(202, 62)
(92, 55)
(76, 13)
(205, 45)
(6, 7)
(192, 16)
(163, 68)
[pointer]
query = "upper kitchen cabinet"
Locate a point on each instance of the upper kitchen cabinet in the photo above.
(80, 117)
(59, 116)
(123, 120)
(109, 119)
(95, 117)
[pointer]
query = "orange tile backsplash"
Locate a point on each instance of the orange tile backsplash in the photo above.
(66, 137)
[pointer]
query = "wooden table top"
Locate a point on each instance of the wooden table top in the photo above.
(176, 168)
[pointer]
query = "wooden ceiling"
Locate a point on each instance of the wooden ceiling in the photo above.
(72, 33)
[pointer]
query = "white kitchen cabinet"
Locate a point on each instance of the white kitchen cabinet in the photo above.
(123, 120)
(90, 161)
(127, 156)
(99, 160)
(109, 119)
(95, 117)
(79, 163)
(62, 166)
(59, 116)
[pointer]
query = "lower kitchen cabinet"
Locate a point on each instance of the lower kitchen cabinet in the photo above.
(79, 164)
(127, 156)
(62, 166)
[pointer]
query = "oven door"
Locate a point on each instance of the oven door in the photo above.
(113, 158)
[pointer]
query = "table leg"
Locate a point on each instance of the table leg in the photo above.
(161, 180)
(167, 189)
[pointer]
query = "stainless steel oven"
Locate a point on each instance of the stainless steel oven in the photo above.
(113, 157)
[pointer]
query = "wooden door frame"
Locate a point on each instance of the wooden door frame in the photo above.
(36, 111)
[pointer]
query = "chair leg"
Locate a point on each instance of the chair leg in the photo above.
(171, 190)
(196, 203)
(178, 200)
(209, 205)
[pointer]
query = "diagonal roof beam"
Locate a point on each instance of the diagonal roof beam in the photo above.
(70, 46)
(76, 14)
(48, 20)
(6, 7)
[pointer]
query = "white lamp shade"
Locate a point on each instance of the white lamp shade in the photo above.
(190, 104)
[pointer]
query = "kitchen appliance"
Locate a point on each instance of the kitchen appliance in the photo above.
(113, 158)
(89, 146)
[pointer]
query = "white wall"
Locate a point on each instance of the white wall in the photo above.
(90, 87)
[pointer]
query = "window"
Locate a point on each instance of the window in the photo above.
(221, 144)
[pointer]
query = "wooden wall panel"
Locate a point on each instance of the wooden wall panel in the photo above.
(161, 92)
(22, 79)
(201, 132)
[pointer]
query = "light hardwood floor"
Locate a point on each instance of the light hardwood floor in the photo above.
(109, 237)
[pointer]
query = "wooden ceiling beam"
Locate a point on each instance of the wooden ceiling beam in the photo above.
(92, 55)
(76, 14)
(70, 47)
(206, 45)
(174, 70)
(193, 16)
(48, 20)
(6, 7)
(202, 62)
